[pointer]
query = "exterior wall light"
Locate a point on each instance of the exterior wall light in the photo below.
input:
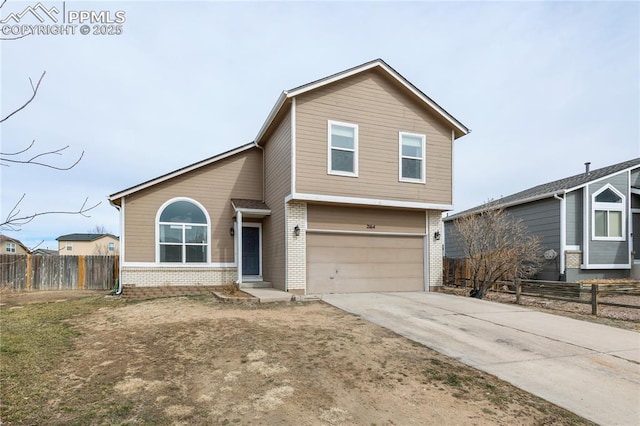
(436, 235)
(232, 232)
(296, 231)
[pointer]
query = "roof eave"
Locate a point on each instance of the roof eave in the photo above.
(113, 198)
(498, 205)
(459, 128)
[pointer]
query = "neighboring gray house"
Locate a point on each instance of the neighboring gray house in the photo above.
(588, 220)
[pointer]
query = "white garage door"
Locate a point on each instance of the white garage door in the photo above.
(342, 263)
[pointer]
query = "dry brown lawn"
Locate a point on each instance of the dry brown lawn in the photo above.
(198, 361)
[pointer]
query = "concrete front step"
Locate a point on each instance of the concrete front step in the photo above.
(255, 284)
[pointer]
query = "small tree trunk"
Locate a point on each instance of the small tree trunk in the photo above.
(518, 290)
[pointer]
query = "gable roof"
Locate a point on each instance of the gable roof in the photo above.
(84, 237)
(550, 189)
(459, 128)
(4, 238)
(115, 198)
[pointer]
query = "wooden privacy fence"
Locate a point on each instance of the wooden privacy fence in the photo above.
(34, 272)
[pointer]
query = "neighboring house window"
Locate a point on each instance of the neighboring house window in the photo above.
(11, 247)
(343, 149)
(183, 233)
(69, 246)
(111, 246)
(608, 214)
(412, 157)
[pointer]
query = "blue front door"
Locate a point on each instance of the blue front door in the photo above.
(250, 250)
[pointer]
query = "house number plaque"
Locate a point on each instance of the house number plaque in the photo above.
(371, 226)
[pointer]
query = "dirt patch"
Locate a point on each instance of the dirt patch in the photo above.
(195, 361)
(9, 298)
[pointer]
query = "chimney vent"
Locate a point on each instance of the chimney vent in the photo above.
(586, 167)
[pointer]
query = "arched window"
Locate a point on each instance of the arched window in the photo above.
(608, 214)
(183, 233)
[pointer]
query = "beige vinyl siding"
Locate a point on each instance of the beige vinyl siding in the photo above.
(277, 160)
(89, 248)
(381, 110)
(345, 218)
(213, 186)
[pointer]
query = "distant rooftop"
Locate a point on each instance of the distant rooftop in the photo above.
(549, 189)
(84, 237)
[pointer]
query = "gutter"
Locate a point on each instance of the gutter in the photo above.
(563, 231)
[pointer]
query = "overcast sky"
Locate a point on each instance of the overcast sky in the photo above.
(544, 86)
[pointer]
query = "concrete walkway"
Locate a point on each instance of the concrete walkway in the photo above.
(590, 369)
(266, 295)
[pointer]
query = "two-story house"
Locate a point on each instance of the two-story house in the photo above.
(90, 244)
(588, 224)
(342, 190)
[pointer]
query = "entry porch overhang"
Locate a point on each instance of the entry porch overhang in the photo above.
(247, 209)
(253, 209)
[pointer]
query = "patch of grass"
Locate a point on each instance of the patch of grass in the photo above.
(453, 380)
(33, 341)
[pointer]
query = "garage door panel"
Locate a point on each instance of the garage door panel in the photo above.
(342, 263)
(357, 255)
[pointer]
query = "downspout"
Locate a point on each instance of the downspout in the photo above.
(563, 232)
(118, 290)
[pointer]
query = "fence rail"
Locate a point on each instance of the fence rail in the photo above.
(34, 272)
(456, 271)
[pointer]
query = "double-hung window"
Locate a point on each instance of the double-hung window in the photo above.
(608, 214)
(412, 150)
(343, 149)
(11, 247)
(183, 233)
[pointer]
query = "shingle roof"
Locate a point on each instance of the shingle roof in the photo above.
(4, 238)
(239, 203)
(83, 237)
(551, 188)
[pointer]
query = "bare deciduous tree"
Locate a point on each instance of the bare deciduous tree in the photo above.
(497, 247)
(99, 229)
(16, 219)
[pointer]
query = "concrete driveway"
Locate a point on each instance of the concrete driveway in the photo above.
(590, 369)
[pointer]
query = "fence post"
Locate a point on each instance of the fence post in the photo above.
(594, 299)
(518, 290)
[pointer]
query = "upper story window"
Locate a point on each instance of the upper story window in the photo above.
(69, 246)
(183, 230)
(11, 247)
(111, 246)
(343, 149)
(412, 161)
(608, 208)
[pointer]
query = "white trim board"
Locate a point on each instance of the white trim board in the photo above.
(367, 201)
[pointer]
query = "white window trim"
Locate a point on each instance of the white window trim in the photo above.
(608, 207)
(11, 248)
(69, 246)
(423, 170)
(330, 148)
(207, 261)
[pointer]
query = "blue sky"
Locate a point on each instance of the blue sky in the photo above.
(544, 86)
